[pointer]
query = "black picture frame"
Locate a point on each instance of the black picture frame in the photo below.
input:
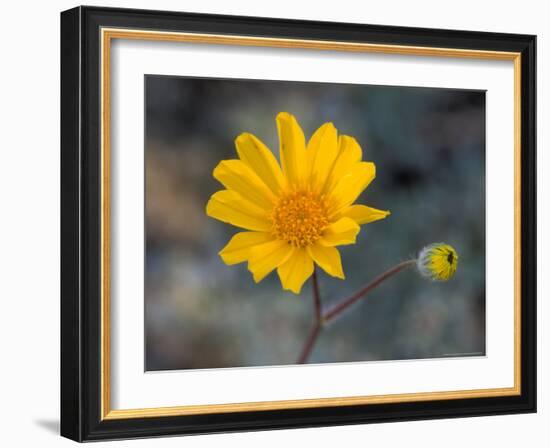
(81, 224)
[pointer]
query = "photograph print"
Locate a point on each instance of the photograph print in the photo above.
(305, 223)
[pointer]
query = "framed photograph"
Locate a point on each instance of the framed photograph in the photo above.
(275, 224)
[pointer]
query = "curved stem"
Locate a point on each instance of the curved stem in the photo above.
(310, 342)
(342, 306)
(317, 298)
(323, 317)
(315, 330)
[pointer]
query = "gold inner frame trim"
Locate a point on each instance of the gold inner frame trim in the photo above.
(107, 35)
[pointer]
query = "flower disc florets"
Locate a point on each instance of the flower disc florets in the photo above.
(300, 218)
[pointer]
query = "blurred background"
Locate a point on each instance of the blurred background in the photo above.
(429, 149)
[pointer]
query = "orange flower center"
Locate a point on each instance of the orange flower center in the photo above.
(300, 218)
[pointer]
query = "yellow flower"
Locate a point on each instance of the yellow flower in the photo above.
(438, 261)
(296, 213)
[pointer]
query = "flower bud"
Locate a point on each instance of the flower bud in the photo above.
(437, 261)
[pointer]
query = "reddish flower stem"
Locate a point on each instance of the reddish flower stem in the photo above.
(343, 305)
(323, 317)
(317, 325)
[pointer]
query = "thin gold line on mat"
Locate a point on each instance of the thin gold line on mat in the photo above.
(105, 226)
(305, 403)
(517, 222)
(359, 47)
(107, 34)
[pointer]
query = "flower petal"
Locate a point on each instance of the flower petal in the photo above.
(362, 214)
(230, 207)
(238, 248)
(237, 176)
(268, 256)
(296, 270)
(349, 153)
(344, 231)
(349, 187)
(328, 258)
(261, 160)
(322, 150)
(292, 148)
